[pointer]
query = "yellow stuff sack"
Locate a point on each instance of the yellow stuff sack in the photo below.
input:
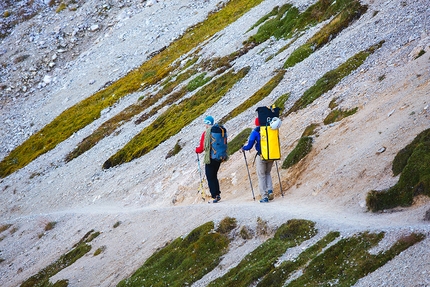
(270, 146)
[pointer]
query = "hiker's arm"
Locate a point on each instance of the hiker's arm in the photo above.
(201, 147)
(251, 141)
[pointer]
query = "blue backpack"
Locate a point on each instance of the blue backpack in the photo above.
(219, 143)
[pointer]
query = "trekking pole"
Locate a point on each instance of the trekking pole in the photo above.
(249, 176)
(280, 185)
(201, 178)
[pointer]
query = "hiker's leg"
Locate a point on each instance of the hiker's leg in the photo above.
(212, 177)
(261, 173)
(269, 184)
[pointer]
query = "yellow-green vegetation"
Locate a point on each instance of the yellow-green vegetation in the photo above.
(333, 104)
(348, 11)
(310, 130)
(280, 102)
(255, 98)
(175, 150)
(235, 144)
(149, 73)
(227, 225)
(50, 225)
(118, 223)
(78, 250)
(338, 115)
(280, 274)
(61, 7)
(381, 78)
(99, 250)
(413, 165)
(175, 118)
(422, 52)
(331, 78)
(287, 21)
(263, 227)
(6, 13)
(279, 23)
(5, 227)
(185, 260)
(197, 82)
(245, 233)
(261, 261)
(349, 260)
(303, 147)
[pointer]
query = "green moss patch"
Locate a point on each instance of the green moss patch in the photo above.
(349, 260)
(78, 250)
(175, 150)
(286, 22)
(185, 260)
(4, 227)
(261, 261)
(280, 102)
(413, 165)
(338, 115)
(310, 130)
(303, 147)
(330, 79)
(175, 118)
(348, 12)
(235, 144)
(280, 274)
(227, 225)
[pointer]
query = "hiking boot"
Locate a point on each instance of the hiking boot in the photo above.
(264, 200)
(270, 194)
(217, 199)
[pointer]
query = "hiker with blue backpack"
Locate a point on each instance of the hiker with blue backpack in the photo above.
(264, 167)
(214, 143)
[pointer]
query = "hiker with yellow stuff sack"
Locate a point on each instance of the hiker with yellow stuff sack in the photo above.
(267, 152)
(264, 167)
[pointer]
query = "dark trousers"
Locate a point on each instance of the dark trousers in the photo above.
(212, 177)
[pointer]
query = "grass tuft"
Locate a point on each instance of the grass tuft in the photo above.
(79, 249)
(304, 146)
(329, 80)
(280, 274)
(347, 12)
(175, 150)
(261, 261)
(310, 130)
(349, 260)
(413, 165)
(235, 144)
(338, 115)
(4, 227)
(226, 225)
(50, 225)
(246, 233)
(280, 102)
(184, 261)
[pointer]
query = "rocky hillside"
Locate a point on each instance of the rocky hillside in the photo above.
(54, 55)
